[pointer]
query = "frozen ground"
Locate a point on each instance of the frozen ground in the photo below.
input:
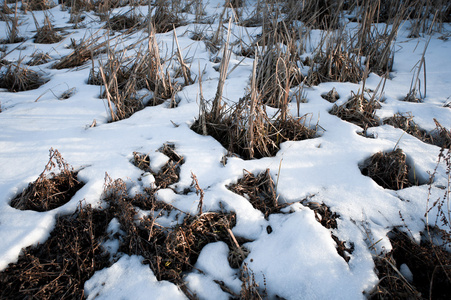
(298, 259)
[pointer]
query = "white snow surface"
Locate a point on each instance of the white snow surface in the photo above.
(298, 259)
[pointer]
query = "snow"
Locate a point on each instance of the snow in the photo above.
(298, 259)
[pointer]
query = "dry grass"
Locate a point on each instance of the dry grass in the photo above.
(58, 268)
(318, 14)
(246, 129)
(31, 5)
(17, 78)
(84, 51)
(328, 219)
(165, 18)
(123, 77)
(389, 170)
(260, 191)
(39, 58)
(12, 29)
(54, 187)
(334, 61)
(331, 96)
(440, 136)
(170, 251)
(46, 34)
(277, 72)
(167, 175)
(126, 21)
(358, 110)
(429, 264)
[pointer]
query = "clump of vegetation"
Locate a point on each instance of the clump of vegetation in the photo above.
(359, 110)
(17, 78)
(246, 129)
(12, 29)
(46, 34)
(427, 262)
(440, 136)
(390, 170)
(85, 50)
(164, 17)
(122, 78)
(276, 73)
(124, 22)
(260, 191)
(169, 173)
(59, 267)
(31, 5)
(54, 187)
(331, 96)
(39, 58)
(334, 61)
(323, 14)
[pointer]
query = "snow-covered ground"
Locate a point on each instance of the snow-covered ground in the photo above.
(298, 258)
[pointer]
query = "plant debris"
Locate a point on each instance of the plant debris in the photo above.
(124, 22)
(50, 190)
(46, 34)
(389, 170)
(428, 263)
(328, 219)
(58, 268)
(260, 191)
(331, 96)
(17, 78)
(85, 50)
(358, 110)
(39, 58)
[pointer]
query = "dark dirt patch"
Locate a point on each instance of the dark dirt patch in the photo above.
(50, 190)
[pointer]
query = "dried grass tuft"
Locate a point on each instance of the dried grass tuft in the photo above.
(85, 50)
(331, 96)
(358, 110)
(246, 129)
(429, 264)
(58, 268)
(335, 62)
(164, 18)
(389, 170)
(124, 22)
(17, 78)
(39, 58)
(440, 136)
(31, 5)
(46, 34)
(318, 14)
(54, 187)
(259, 190)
